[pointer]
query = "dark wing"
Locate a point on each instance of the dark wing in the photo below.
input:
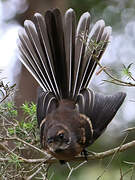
(46, 103)
(99, 108)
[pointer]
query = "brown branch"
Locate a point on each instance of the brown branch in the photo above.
(111, 151)
(24, 142)
(101, 155)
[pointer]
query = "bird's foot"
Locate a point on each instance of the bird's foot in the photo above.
(85, 153)
(62, 162)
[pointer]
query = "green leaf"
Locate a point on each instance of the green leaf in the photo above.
(127, 71)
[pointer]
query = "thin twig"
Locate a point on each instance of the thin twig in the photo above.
(94, 48)
(75, 168)
(34, 174)
(108, 165)
(115, 80)
(129, 129)
(24, 142)
(100, 155)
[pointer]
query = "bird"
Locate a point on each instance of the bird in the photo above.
(62, 56)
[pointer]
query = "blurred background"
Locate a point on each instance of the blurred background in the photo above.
(120, 14)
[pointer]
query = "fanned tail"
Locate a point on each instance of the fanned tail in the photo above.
(60, 56)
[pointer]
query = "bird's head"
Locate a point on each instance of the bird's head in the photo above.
(58, 139)
(61, 132)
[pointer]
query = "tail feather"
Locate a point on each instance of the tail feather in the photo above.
(55, 54)
(69, 30)
(88, 62)
(56, 39)
(30, 60)
(105, 38)
(100, 37)
(42, 62)
(93, 40)
(34, 73)
(44, 40)
(82, 28)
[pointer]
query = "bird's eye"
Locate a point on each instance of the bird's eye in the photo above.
(61, 135)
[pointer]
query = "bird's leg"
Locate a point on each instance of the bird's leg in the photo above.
(62, 162)
(85, 153)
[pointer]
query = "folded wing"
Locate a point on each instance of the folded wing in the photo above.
(99, 108)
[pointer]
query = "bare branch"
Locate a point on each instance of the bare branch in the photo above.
(24, 142)
(100, 155)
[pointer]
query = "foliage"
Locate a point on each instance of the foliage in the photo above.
(17, 138)
(126, 71)
(25, 129)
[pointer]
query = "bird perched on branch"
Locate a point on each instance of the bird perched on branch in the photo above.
(62, 58)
